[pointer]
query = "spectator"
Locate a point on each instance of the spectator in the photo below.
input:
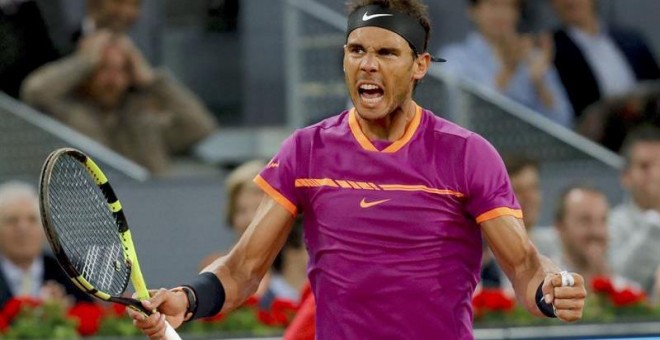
(243, 195)
(581, 225)
(635, 224)
(25, 270)
(595, 60)
(608, 121)
(24, 43)
(109, 92)
(499, 57)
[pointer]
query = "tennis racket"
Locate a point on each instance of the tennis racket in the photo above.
(87, 231)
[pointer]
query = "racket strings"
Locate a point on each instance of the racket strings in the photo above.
(86, 228)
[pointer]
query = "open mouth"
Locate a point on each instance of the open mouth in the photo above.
(370, 93)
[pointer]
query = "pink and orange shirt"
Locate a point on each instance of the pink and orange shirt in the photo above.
(392, 228)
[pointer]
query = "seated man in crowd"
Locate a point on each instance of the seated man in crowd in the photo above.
(635, 224)
(581, 226)
(595, 60)
(497, 56)
(25, 270)
(109, 92)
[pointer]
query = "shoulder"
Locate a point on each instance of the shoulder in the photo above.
(621, 211)
(302, 139)
(454, 138)
(444, 128)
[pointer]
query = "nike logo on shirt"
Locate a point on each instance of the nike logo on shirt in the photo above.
(367, 17)
(365, 204)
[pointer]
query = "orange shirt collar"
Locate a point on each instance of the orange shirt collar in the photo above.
(396, 145)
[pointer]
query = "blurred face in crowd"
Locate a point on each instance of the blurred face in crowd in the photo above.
(115, 15)
(111, 80)
(583, 229)
(642, 175)
(247, 202)
(574, 12)
(380, 71)
(495, 18)
(526, 186)
(21, 234)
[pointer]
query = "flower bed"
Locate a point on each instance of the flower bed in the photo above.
(27, 318)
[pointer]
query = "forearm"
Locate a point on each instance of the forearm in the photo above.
(241, 271)
(528, 276)
(48, 85)
(525, 267)
(543, 93)
(503, 78)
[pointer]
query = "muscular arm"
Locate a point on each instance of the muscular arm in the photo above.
(525, 267)
(242, 269)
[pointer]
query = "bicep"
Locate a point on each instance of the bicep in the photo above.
(242, 269)
(267, 233)
(262, 240)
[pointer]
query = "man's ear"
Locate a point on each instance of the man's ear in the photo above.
(421, 66)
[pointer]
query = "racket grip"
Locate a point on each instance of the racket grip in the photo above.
(170, 333)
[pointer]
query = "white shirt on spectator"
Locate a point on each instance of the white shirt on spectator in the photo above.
(14, 276)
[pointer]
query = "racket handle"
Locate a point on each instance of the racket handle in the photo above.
(170, 333)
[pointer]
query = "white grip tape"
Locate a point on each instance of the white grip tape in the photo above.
(170, 333)
(567, 279)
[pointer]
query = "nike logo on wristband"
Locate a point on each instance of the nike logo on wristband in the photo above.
(367, 17)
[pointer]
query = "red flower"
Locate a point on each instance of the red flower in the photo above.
(492, 299)
(14, 306)
(89, 317)
(4, 324)
(215, 318)
(266, 318)
(116, 309)
(627, 297)
(251, 301)
(602, 284)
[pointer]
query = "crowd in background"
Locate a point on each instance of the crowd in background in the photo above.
(587, 75)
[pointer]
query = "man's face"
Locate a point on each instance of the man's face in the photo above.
(21, 234)
(526, 186)
(573, 12)
(496, 18)
(111, 80)
(642, 176)
(117, 15)
(583, 231)
(380, 71)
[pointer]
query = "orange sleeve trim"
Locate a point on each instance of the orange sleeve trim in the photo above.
(276, 195)
(498, 212)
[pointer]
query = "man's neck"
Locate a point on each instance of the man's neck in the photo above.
(646, 205)
(391, 127)
(22, 264)
(589, 25)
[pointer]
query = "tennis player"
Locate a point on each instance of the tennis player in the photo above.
(395, 203)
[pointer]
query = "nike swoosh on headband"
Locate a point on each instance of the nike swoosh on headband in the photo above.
(367, 17)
